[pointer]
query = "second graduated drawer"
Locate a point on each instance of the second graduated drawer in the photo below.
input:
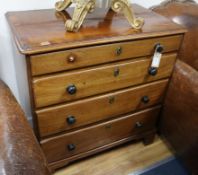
(70, 86)
(83, 57)
(72, 115)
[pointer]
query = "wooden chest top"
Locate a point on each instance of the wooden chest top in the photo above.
(42, 31)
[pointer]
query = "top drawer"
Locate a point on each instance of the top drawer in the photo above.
(82, 57)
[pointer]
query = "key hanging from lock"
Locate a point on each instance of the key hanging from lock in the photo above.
(156, 59)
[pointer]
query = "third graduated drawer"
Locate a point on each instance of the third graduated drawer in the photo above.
(73, 85)
(72, 115)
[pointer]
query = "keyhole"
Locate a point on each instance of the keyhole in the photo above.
(111, 100)
(118, 51)
(108, 126)
(116, 72)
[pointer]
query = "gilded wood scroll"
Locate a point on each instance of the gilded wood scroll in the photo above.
(83, 7)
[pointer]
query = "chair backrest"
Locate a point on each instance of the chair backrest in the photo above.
(184, 12)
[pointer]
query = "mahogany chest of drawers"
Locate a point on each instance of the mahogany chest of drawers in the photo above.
(94, 89)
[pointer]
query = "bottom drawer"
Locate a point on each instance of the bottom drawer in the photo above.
(73, 143)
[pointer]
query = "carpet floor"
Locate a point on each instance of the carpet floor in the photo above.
(168, 167)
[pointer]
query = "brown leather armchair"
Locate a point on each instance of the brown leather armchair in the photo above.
(179, 122)
(20, 153)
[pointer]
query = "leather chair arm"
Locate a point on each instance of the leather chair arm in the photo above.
(180, 114)
(20, 152)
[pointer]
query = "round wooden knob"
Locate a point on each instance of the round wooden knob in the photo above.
(145, 99)
(71, 58)
(138, 125)
(71, 89)
(159, 48)
(71, 147)
(152, 71)
(71, 120)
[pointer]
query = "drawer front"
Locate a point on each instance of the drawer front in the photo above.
(64, 117)
(80, 141)
(82, 57)
(74, 85)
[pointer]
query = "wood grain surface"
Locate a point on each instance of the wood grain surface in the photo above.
(89, 138)
(54, 119)
(41, 31)
(131, 158)
(104, 62)
(51, 89)
(84, 57)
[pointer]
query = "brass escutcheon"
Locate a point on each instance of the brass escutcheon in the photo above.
(119, 51)
(116, 72)
(111, 100)
(108, 126)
